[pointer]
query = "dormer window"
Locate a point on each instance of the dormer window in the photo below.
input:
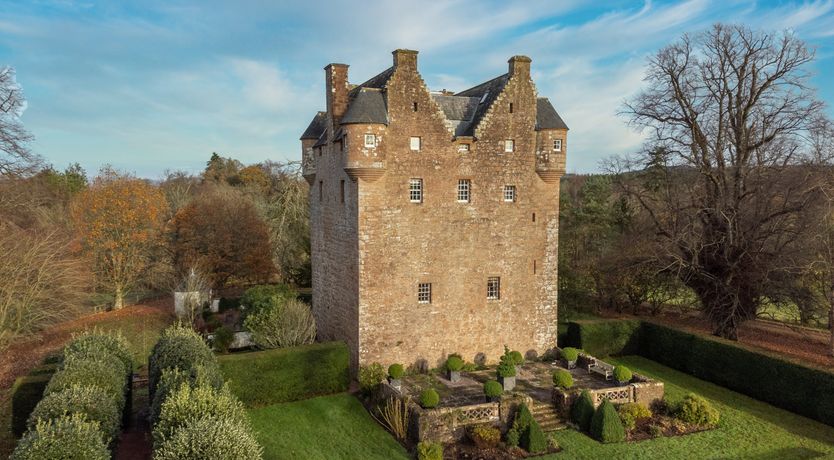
(415, 143)
(370, 141)
(463, 148)
(509, 145)
(557, 145)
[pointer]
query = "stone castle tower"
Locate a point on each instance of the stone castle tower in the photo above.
(434, 216)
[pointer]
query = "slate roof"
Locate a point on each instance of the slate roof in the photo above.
(486, 93)
(379, 80)
(316, 126)
(546, 116)
(366, 106)
(459, 111)
(322, 139)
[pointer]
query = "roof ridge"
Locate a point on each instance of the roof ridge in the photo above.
(460, 93)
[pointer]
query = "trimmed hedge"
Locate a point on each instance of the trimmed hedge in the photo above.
(188, 404)
(209, 437)
(606, 337)
(91, 401)
(267, 377)
(97, 344)
(106, 372)
(68, 437)
(26, 394)
(803, 390)
(178, 346)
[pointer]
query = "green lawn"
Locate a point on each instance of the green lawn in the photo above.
(327, 427)
(749, 429)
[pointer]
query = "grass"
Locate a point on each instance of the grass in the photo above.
(327, 427)
(749, 429)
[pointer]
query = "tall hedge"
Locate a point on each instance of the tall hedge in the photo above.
(67, 437)
(804, 390)
(26, 394)
(178, 346)
(287, 374)
(603, 338)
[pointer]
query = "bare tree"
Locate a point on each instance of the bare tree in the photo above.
(15, 157)
(725, 178)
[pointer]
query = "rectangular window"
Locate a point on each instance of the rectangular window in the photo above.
(509, 193)
(493, 288)
(463, 190)
(415, 143)
(424, 293)
(414, 106)
(509, 145)
(342, 194)
(511, 107)
(557, 145)
(370, 141)
(463, 148)
(415, 190)
(321, 190)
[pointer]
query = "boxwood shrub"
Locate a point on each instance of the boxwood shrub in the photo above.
(188, 404)
(90, 401)
(606, 425)
(263, 296)
(26, 393)
(178, 346)
(582, 411)
(288, 374)
(67, 437)
(396, 371)
(209, 437)
(174, 378)
(429, 398)
(562, 379)
(493, 389)
(95, 344)
(105, 372)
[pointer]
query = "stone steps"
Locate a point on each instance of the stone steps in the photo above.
(547, 417)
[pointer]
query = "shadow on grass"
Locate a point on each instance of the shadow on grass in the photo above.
(798, 453)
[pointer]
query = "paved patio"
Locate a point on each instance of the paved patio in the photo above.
(534, 379)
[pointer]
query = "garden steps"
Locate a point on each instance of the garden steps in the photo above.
(548, 418)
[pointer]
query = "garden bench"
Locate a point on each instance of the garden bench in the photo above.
(604, 369)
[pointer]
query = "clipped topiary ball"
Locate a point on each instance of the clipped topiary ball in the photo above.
(91, 401)
(493, 389)
(622, 374)
(395, 371)
(606, 425)
(209, 437)
(570, 354)
(454, 363)
(582, 411)
(67, 437)
(429, 398)
(562, 379)
(517, 357)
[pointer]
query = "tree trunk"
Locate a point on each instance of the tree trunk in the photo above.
(119, 301)
(831, 321)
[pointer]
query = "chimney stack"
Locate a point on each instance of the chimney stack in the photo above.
(406, 59)
(520, 65)
(336, 83)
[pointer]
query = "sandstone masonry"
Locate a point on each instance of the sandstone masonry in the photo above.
(434, 215)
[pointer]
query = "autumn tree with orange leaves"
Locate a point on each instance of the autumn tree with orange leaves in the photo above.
(119, 222)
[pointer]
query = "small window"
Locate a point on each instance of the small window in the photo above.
(414, 106)
(511, 107)
(464, 187)
(370, 141)
(534, 217)
(557, 145)
(509, 193)
(321, 190)
(509, 145)
(415, 143)
(341, 145)
(493, 288)
(463, 148)
(534, 266)
(424, 293)
(415, 190)
(319, 149)
(342, 194)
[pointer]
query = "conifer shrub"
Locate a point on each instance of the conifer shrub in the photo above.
(370, 377)
(396, 371)
(105, 372)
(533, 439)
(562, 379)
(91, 401)
(427, 450)
(178, 346)
(630, 413)
(210, 438)
(187, 404)
(697, 411)
(67, 437)
(582, 411)
(94, 344)
(429, 398)
(606, 425)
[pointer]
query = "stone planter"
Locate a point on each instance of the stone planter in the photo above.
(454, 376)
(571, 364)
(622, 384)
(396, 384)
(517, 370)
(507, 382)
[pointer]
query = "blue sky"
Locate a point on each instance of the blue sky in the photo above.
(149, 86)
